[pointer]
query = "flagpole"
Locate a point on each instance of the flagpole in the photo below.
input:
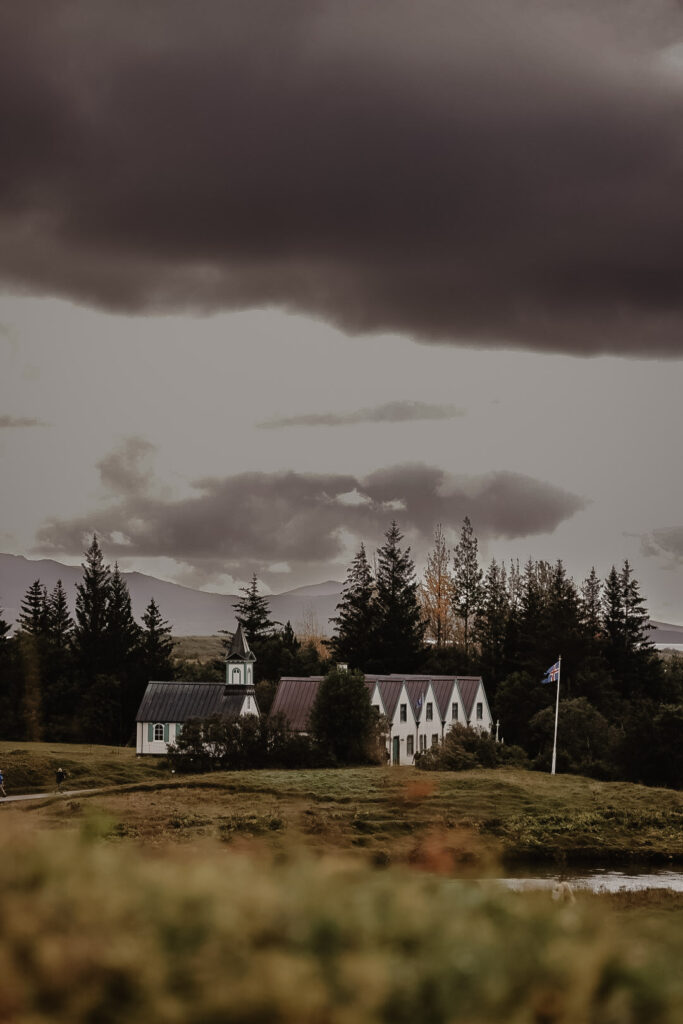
(557, 712)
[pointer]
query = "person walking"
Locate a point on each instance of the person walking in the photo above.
(2, 784)
(60, 775)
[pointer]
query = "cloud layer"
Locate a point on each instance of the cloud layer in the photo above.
(247, 522)
(20, 421)
(390, 412)
(477, 170)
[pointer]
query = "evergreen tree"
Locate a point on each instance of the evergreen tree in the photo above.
(591, 610)
(92, 602)
(436, 593)
(122, 632)
(253, 613)
(60, 625)
(34, 614)
(60, 690)
(352, 642)
(490, 626)
(467, 577)
(399, 628)
(342, 719)
(156, 644)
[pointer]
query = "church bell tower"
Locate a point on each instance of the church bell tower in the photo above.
(239, 664)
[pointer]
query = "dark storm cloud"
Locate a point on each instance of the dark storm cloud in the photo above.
(252, 520)
(390, 412)
(20, 421)
(472, 170)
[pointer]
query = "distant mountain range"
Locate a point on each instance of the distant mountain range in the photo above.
(189, 612)
(196, 613)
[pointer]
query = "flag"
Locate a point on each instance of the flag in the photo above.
(553, 674)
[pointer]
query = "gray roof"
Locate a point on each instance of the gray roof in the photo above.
(239, 649)
(296, 694)
(179, 701)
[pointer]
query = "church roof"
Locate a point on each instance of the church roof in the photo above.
(239, 649)
(181, 701)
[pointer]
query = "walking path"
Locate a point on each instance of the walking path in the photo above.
(42, 796)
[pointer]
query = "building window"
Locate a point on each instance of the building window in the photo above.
(423, 742)
(480, 712)
(158, 732)
(403, 715)
(235, 675)
(430, 711)
(410, 746)
(375, 708)
(435, 739)
(454, 712)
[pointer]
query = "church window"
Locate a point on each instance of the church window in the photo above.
(403, 716)
(430, 711)
(454, 712)
(158, 732)
(480, 711)
(235, 675)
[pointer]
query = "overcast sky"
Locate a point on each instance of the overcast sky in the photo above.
(274, 274)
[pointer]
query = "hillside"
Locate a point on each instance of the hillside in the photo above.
(190, 612)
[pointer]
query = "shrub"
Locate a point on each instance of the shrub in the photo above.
(238, 743)
(463, 749)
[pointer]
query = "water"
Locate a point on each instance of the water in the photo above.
(600, 880)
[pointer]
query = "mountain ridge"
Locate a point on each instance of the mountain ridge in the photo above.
(190, 612)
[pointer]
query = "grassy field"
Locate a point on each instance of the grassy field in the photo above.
(93, 931)
(198, 648)
(31, 767)
(326, 897)
(445, 821)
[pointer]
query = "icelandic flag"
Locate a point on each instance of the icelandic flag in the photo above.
(419, 701)
(553, 674)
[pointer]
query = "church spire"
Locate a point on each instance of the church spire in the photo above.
(239, 663)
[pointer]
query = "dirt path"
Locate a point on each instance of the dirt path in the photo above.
(42, 796)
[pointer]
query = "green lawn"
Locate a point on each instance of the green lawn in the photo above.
(31, 767)
(388, 814)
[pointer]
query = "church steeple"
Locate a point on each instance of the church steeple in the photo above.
(239, 663)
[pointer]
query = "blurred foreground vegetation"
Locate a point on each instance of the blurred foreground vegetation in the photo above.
(92, 931)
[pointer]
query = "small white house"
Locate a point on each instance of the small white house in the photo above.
(419, 709)
(166, 706)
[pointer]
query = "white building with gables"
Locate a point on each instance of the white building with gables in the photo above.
(419, 709)
(166, 706)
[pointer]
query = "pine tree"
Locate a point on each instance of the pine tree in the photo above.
(60, 625)
(156, 644)
(467, 577)
(352, 642)
(436, 593)
(92, 602)
(490, 626)
(122, 632)
(399, 628)
(33, 615)
(591, 612)
(253, 613)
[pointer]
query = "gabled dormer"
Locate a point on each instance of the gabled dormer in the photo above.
(239, 664)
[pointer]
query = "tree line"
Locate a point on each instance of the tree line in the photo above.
(80, 679)
(622, 704)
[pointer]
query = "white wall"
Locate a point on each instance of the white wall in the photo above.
(403, 729)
